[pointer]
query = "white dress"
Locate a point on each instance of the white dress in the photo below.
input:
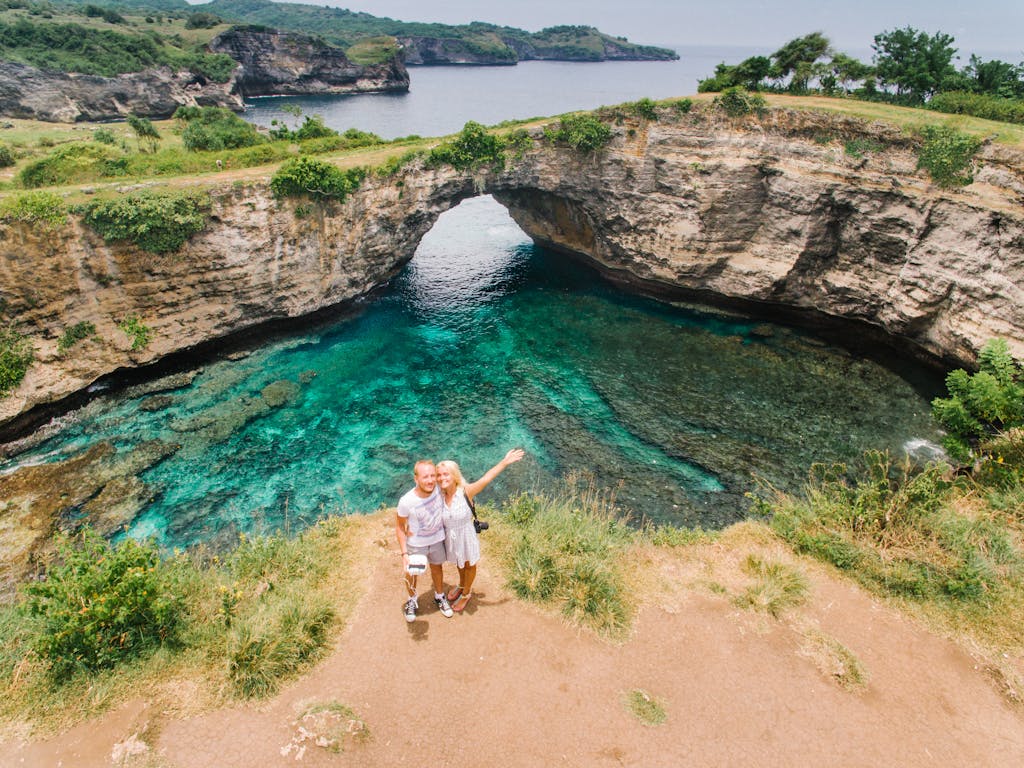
(461, 543)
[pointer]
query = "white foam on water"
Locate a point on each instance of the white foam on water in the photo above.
(924, 450)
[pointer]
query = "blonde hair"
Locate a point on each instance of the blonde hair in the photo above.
(452, 467)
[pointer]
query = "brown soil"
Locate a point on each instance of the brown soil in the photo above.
(509, 685)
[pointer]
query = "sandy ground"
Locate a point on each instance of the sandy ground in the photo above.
(507, 685)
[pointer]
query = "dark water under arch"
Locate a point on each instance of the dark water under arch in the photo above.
(485, 342)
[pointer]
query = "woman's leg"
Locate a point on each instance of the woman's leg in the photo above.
(467, 576)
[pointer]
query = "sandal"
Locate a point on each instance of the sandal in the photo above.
(454, 594)
(461, 603)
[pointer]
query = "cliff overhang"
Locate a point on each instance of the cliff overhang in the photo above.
(769, 214)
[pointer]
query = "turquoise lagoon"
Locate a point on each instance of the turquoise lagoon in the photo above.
(482, 343)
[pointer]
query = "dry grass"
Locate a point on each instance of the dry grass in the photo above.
(907, 118)
(833, 659)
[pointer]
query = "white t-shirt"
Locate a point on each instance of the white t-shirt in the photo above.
(426, 518)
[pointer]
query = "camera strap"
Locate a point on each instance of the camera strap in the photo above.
(472, 506)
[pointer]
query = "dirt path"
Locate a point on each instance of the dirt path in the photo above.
(507, 685)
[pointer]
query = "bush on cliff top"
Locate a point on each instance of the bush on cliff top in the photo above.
(101, 605)
(37, 207)
(79, 161)
(307, 176)
(215, 128)
(581, 132)
(737, 101)
(473, 147)
(158, 222)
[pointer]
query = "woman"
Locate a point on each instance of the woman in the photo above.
(460, 541)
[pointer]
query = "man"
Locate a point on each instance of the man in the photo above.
(419, 527)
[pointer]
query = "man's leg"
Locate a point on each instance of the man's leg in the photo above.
(437, 577)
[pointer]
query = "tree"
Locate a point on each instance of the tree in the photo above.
(796, 60)
(748, 74)
(915, 63)
(995, 77)
(145, 132)
(845, 70)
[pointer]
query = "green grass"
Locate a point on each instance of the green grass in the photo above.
(776, 586)
(569, 550)
(945, 545)
(252, 618)
(645, 708)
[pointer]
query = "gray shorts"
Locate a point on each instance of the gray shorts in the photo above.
(435, 552)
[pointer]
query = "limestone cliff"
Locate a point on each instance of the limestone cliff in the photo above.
(36, 94)
(768, 214)
(294, 64)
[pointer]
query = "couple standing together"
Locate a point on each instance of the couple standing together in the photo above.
(435, 519)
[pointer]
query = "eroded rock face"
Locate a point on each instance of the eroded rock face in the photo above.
(770, 214)
(294, 64)
(36, 94)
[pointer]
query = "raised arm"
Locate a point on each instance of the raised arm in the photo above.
(472, 489)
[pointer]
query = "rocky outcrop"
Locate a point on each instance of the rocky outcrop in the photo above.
(769, 214)
(438, 51)
(37, 94)
(291, 64)
(420, 50)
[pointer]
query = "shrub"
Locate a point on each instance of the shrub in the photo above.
(946, 154)
(202, 20)
(315, 178)
(139, 333)
(16, 355)
(582, 132)
(313, 128)
(104, 136)
(736, 101)
(100, 605)
(213, 128)
(156, 222)
(683, 106)
(74, 334)
(72, 162)
(644, 108)
(40, 208)
(979, 105)
(980, 406)
(6, 156)
(145, 132)
(473, 147)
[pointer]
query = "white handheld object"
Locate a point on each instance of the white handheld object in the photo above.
(417, 564)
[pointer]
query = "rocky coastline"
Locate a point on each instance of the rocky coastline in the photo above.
(269, 63)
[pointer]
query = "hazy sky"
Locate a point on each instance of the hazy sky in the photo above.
(978, 25)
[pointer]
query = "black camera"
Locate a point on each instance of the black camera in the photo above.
(481, 525)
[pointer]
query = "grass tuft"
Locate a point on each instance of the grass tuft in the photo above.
(568, 550)
(835, 660)
(645, 707)
(777, 586)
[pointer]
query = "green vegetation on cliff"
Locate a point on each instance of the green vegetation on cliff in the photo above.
(97, 47)
(158, 222)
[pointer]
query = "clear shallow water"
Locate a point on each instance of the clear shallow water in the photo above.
(486, 342)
